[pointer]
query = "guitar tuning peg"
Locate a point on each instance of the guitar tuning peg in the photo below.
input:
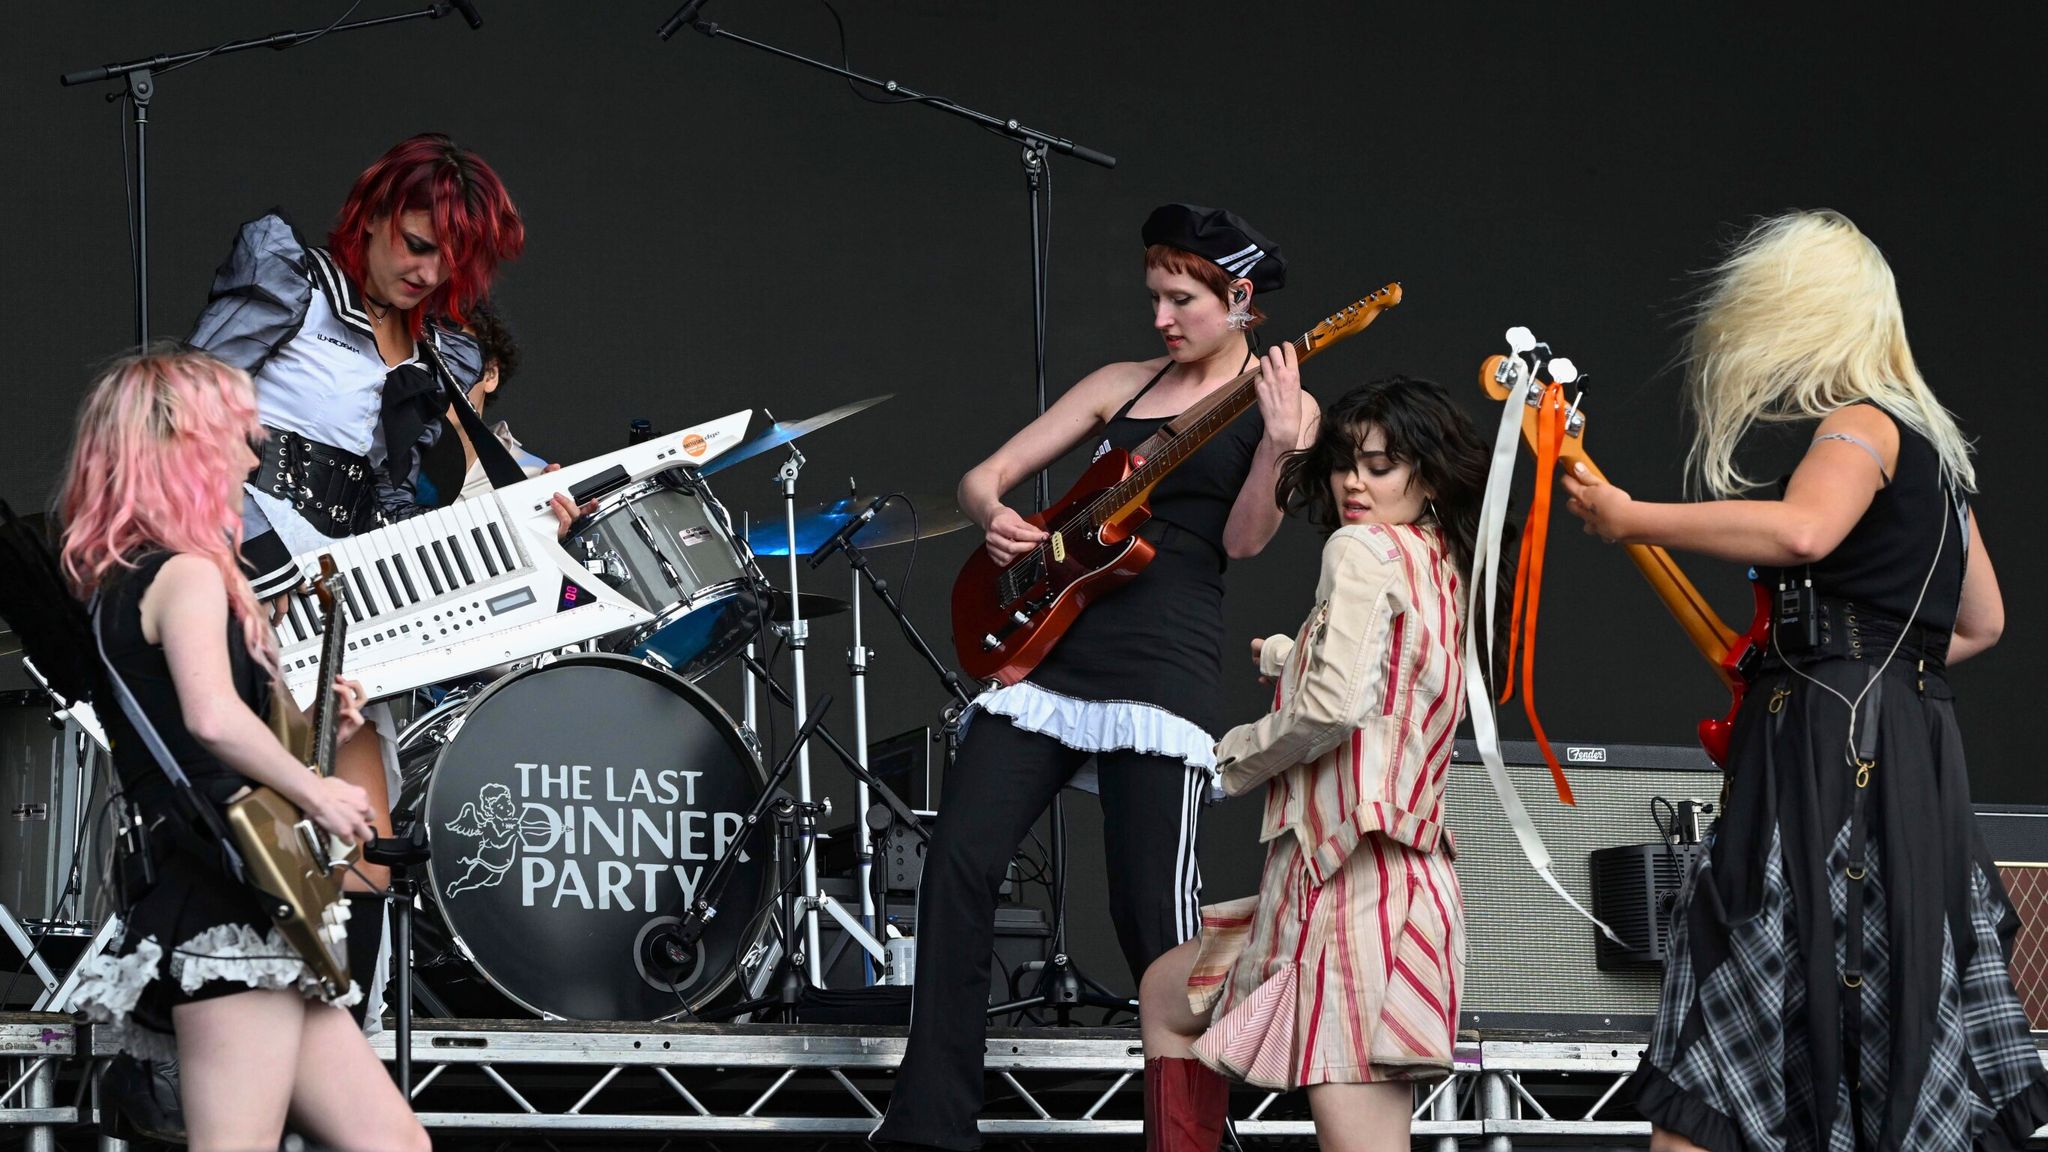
(1520, 340)
(1563, 371)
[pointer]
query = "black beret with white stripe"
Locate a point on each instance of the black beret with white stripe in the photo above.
(1222, 238)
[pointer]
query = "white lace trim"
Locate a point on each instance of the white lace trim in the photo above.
(1101, 725)
(235, 952)
(110, 986)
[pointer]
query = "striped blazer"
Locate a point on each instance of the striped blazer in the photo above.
(1369, 696)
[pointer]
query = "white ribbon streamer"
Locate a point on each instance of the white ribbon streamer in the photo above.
(1493, 517)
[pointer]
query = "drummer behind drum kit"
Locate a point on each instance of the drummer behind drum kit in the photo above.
(574, 784)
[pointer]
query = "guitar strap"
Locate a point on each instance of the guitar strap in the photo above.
(1479, 632)
(498, 463)
(151, 739)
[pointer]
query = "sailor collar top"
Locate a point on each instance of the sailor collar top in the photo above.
(286, 314)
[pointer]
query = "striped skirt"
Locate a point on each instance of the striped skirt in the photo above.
(1353, 982)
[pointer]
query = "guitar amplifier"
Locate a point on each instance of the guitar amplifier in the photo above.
(1532, 963)
(2017, 836)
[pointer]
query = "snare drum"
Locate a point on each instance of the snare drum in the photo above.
(572, 809)
(671, 550)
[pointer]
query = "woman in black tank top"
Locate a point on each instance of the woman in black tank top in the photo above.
(151, 505)
(1134, 683)
(1838, 965)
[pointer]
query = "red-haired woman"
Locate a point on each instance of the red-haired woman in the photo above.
(1135, 684)
(343, 344)
(152, 509)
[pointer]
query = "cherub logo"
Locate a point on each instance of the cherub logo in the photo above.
(494, 820)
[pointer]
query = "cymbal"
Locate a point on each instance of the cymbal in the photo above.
(892, 525)
(813, 604)
(779, 433)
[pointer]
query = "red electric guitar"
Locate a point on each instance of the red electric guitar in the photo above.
(1007, 617)
(1731, 655)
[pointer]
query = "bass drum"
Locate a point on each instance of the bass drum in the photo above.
(573, 810)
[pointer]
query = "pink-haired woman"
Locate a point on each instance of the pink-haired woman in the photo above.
(152, 506)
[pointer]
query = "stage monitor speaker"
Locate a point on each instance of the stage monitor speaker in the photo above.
(2017, 837)
(1532, 962)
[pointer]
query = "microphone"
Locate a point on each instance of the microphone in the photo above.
(668, 954)
(469, 13)
(687, 14)
(844, 536)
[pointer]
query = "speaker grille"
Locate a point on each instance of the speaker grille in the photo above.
(1528, 953)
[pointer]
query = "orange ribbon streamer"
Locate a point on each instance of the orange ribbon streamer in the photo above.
(1529, 577)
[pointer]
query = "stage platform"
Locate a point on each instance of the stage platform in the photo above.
(515, 1084)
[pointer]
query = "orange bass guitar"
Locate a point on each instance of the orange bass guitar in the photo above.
(1006, 618)
(1732, 655)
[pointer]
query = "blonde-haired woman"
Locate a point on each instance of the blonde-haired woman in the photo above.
(1838, 976)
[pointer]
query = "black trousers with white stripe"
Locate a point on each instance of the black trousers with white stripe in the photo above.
(1002, 780)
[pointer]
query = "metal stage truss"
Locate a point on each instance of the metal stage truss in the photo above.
(528, 1081)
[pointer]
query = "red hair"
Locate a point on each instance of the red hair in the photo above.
(475, 224)
(1181, 262)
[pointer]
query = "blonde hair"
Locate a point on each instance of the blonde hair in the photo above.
(1800, 319)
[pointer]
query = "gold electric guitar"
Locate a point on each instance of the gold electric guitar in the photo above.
(293, 864)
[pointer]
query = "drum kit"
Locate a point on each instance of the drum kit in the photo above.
(574, 807)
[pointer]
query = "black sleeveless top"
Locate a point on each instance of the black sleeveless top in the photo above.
(1159, 639)
(1884, 560)
(1197, 495)
(148, 676)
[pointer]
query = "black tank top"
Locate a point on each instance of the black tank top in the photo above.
(1884, 560)
(148, 676)
(1199, 494)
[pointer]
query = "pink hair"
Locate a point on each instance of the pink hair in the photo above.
(158, 464)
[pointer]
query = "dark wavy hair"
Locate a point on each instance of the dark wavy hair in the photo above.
(495, 338)
(1424, 429)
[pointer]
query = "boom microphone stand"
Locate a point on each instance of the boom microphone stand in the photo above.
(140, 78)
(1038, 147)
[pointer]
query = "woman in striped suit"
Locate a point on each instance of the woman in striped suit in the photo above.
(1343, 974)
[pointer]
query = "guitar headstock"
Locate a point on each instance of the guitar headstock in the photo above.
(1527, 358)
(1352, 319)
(1551, 378)
(328, 586)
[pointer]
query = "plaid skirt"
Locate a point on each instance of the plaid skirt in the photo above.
(1770, 1034)
(1355, 981)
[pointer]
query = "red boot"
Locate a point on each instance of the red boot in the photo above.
(1185, 1106)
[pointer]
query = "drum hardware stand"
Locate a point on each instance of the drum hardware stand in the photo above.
(799, 639)
(401, 853)
(670, 955)
(139, 78)
(857, 561)
(890, 807)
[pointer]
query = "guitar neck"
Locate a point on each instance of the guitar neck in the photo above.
(1171, 446)
(331, 649)
(1696, 618)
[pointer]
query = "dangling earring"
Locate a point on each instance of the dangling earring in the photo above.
(1431, 505)
(1240, 316)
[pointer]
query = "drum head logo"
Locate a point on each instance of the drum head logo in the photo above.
(494, 821)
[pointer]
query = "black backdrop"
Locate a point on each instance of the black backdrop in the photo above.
(713, 229)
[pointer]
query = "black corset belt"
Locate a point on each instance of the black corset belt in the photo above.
(331, 487)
